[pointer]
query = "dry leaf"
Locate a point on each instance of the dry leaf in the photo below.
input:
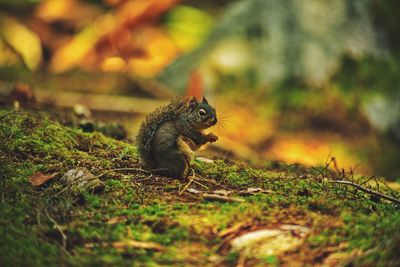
(137, 244)
(40, 178)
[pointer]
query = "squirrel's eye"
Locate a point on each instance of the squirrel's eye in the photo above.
(202, 112)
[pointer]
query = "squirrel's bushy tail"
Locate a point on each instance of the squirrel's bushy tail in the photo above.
(144, 139)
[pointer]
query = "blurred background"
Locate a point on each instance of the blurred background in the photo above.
(298, 81)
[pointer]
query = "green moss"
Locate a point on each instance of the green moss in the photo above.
(271, 261)
(232, 258)
(150, 209)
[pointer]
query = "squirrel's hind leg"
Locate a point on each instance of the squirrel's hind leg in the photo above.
(175, 164)
(186, 146)
(168, 152)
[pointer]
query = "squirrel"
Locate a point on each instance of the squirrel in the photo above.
(169, 136)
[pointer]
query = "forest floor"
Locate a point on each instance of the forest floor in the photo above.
(227, 214)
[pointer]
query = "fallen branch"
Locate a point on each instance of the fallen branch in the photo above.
(367, 190)
(124, 244)
(212, 196)
(221, 198)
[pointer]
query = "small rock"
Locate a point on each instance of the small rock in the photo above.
(271, 241)
(82, 111)
(193, 191)
(81, 180)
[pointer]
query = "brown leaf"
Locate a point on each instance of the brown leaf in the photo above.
(40, 178)
(137, 244)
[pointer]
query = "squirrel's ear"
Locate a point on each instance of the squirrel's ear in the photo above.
(205, 101)
(192, 102)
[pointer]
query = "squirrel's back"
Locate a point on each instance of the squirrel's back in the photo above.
(148, 128)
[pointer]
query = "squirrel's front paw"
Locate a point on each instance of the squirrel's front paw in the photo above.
(212, 137)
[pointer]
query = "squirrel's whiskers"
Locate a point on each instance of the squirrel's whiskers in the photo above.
(226, 120)
(221, 125)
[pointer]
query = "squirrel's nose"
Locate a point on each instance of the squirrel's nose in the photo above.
(213, 120)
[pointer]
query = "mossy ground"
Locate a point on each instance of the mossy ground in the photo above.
(135, 205)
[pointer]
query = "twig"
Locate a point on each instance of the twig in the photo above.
(369, 191)
(366, 181)
(61, 191)
(377, 184)
(7, 114)
(59, 228)
(222, 198)
(38, 217)
(212, 182)
(126, 169)
(200, 184)
(349, 261)
(144, 179)
(242, 259)
(387, 186)
(320, 172)
(186, 186)
(212, 196)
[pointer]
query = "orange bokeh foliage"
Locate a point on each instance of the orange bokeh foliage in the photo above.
(129, 34)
